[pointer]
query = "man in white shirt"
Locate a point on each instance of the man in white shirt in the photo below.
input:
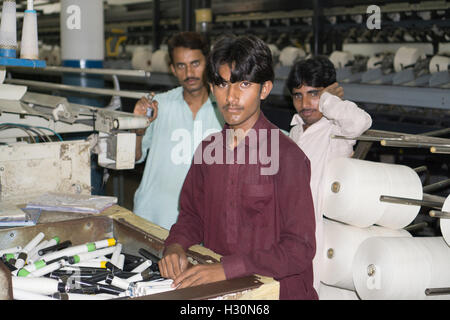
(320, 114)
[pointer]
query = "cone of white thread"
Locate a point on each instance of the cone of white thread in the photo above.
(8, 32)
(29, 44)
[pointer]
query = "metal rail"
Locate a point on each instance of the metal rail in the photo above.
(64, 87)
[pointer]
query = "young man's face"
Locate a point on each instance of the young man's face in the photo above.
(240, 101)
(306, 102)
(188, 66)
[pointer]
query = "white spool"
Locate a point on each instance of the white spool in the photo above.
(160, 61)
(2, 74)
(352, 190)
(12, 92)
(124, 123)
(404, 183)
(29, 48)
(341, 242)
(341, 58)
(8, 32)
(290, 55)
(275, 52)
(374, 62)
(439, 64)
(54, 58)
(142, 59)
(44, 53)
(401, 268)
(82, 30)
(406, 56)
(445, 223)
(333, 293)
(440, 257)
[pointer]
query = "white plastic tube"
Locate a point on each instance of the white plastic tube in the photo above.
(144, 265)
(116, 255)
(20, 294)
(34, 242)
(36, 285)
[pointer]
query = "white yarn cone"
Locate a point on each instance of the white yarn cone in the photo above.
(160, 61)
(8, 33)
(29, 43)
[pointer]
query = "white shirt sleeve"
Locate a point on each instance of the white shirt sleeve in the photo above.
(350, 120)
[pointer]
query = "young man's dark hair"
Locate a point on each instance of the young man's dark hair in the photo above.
(188, 39)
(316, 72)
(248, 57)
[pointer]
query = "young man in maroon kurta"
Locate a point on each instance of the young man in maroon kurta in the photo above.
(247, 194)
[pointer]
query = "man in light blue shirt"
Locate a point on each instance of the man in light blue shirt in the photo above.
(182, 118)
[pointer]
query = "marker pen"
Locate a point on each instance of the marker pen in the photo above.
(154, 259)
(10, 250)
(26, 270)
(93, 264)
(8, 256)
(9, 264)
(87, 247)
(55, 247)
(105, 243)
(74, 268)
(118, 282)
(96, 287)
(142, 266)
(143, 276)
(121, 262)
(47, 269)
(98, 277)
(116, 255)
(33, 243)
(132, 259)
(90, 255)
(33, 255)
(38, 285)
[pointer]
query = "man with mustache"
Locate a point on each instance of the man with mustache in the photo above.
(187, 107)
(320, 114)
(260, 222)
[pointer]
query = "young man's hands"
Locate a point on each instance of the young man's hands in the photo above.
(174, 265)
(143, 105)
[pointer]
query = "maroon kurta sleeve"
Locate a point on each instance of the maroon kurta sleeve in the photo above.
(294, 251)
